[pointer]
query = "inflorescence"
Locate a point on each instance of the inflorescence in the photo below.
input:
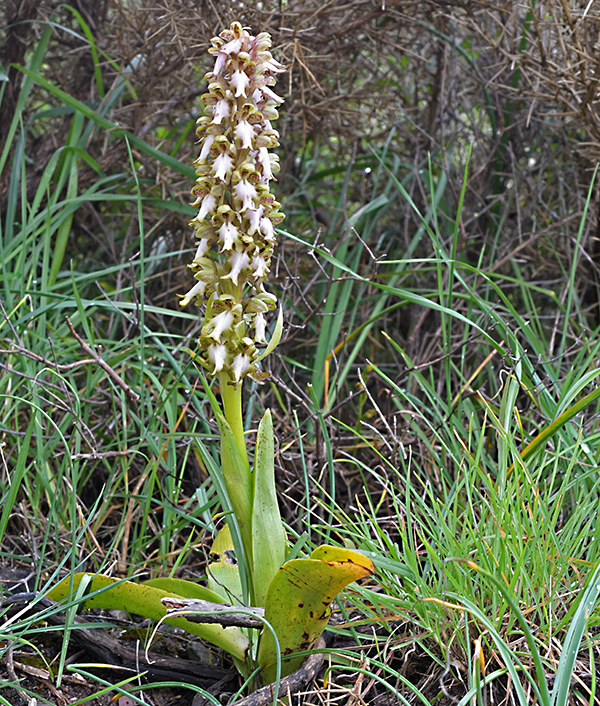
(237, 215)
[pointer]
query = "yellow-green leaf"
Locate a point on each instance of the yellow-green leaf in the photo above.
(238, 481)
(183, 588)
(223, 569)
(299, 599)
(145, 600)
(344, 556)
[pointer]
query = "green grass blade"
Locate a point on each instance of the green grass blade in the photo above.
(106, 124)
(572, 643)
(553, 428)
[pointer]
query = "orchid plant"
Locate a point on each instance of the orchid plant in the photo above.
(235, 232)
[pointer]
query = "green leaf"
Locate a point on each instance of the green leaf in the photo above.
(542, 686)
(238, 481)
(549, 431)
(107, 125)
(223, 570)
(18, 473)
(26, 86)
(145, 600)
(268, 533)
(183, 588)
(572, 642)
(299, 599)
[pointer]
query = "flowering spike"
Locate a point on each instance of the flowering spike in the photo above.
(236, 210)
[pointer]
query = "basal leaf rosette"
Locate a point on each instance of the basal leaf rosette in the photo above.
(237, 213)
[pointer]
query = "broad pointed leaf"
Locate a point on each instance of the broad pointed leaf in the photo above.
(223, 569)
(299, 599)
(238, 481)
(145, 600)
(183, 588)
(268, 534)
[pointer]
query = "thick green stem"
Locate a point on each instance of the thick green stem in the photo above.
(232, 409)
(236, 469)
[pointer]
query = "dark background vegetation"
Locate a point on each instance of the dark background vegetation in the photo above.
(515, 82)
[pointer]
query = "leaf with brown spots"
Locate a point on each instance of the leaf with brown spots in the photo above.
(298, 603)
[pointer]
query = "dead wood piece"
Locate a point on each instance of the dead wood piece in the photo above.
(290, 684)
(112, 652)
(199, 611)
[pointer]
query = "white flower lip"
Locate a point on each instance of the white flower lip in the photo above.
(271, 95)
(240, 366)
(196, 291)
(228, 234)
(254, 218)
(208, 141)
(274, 66)
(259, 265)
(220, 63)
(221, 323)
(260, 327)
(240, 81)
(266, 228)
(245, 132)
(221, 110)
(208, 204)
(232, 47)
(217, 354)
(239, 261)
(222, 166)
(265, 162)
(202, 249)
(246, 193)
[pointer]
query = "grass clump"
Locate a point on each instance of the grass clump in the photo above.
(474, 490)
